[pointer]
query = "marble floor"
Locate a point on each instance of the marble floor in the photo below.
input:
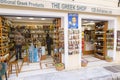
(93, 71)
(33, 69)
(83, 74)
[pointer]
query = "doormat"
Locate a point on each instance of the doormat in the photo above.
(114, 69)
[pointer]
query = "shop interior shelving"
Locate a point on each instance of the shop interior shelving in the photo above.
(4, 47)
(100, 40)
(118, 41)
(110, 39)
(58, 37)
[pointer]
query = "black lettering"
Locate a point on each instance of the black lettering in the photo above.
(56, 5)
(81, 8)
(2, 1)
(22, 3)
(68, 7)
(64, 6)
(93, 9)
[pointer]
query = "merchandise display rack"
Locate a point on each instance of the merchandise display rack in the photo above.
(37, 34)
(4, 47)
(73, 41)
(100, 40)
(118, 41)
(110, 39)
(58, 38)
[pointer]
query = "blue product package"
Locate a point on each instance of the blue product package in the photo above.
(35, 52)
(31, 56)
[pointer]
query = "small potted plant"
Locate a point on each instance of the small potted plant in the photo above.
(84, 63)
(59, 66)
(108, 59)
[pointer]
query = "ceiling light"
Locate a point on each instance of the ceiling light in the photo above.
(31, 18)
(18, 17)
(92, 21)
(43, 19)
(85, 21)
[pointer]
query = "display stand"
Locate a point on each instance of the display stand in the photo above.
(100, 40)
(110, 39)
(73, 42)
(4, 47)
(58, 38)
(118, 41)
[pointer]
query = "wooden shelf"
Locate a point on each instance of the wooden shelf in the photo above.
(99, 34)
(99, 56)
(4, 49)
(5, 34)
(3, 40)
(102, 41)
(99, 51)
(98, 46)
(110, 39)
(99, 29)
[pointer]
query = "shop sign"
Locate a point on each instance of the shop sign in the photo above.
(56, 5)
(72, 21)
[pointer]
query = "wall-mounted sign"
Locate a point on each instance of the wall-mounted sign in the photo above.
(57, 6)
(72, 21)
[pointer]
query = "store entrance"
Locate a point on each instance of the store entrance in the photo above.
(94, 41)
(42, 42)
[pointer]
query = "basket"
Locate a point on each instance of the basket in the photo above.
(60, 68)
(83, 64)
(109, 60)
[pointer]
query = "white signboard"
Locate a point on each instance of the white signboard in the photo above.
(56, 5)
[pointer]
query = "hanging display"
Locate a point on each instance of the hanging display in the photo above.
(73, 34)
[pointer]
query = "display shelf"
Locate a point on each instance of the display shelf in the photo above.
(4, 49)
(118, 41)
(110, 39)
(73, 41)
(58, 37)
(100, 40)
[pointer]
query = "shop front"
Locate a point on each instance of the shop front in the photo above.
(74, 38)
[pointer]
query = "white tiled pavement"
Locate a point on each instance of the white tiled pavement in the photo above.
(93, 71)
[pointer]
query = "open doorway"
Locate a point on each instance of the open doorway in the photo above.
(94, 39)
(34, 30)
